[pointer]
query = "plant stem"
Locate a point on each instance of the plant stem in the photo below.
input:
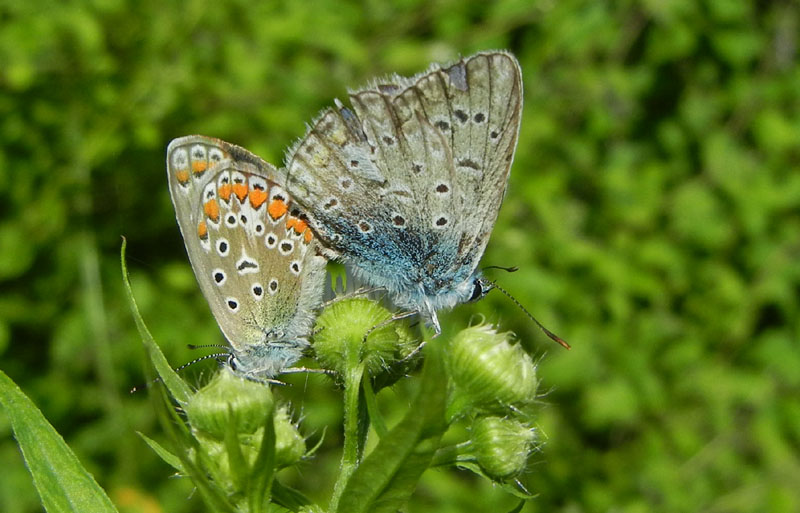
(350, 453)
(450, 454)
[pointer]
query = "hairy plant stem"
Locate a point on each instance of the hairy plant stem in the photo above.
(350, 453)
(450, 454)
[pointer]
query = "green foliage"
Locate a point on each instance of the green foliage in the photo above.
(62, 482)
(233, 441)
(652, 210)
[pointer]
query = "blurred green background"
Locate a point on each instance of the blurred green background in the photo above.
(653, 208)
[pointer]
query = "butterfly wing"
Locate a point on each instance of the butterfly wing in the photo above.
(254, 256)
(408, 184)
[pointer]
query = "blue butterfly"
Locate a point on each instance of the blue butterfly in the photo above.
(406, 185)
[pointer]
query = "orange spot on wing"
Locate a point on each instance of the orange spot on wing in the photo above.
(182, 176)
(225, 191)
(291, 222)
(257, 197)
(240, 190)
(202, 230)
(199, 166)
(211, 208)
(299, 226)
(276, 209)
(308, 236)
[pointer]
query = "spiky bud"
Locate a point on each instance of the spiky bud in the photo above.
(356, 330)
(229, 402)
(501, 446)
(488, 371)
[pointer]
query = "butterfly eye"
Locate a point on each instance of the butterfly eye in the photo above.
(232, 361)
(477, 292)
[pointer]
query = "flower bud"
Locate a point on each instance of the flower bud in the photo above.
(342, 328)
(488, 371)
(229, 402)
(501, 446)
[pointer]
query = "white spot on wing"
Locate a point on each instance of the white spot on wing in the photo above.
(180, 158)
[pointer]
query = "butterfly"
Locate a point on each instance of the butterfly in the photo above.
(406, 185)
(251, 249)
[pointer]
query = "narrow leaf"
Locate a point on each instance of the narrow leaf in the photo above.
(510, 487)
(238, 467)
(62, 482)
(197, 468)
(263, 470)
(177, 387)
(519, 507)
(375, 417)
(164, 454)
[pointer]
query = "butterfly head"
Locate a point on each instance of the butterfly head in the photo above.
(480, 287)
(265, 361)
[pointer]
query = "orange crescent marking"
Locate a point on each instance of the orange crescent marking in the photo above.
(182, 176)
(308, 236)
(202, 230)
(225, 191)
(300, 226)
(211, 208)
(240, 190)
(199, 166)
(276, 209)
(291, 222)
(257, 197)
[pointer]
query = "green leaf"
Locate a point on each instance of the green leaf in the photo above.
(62, 482)
(375, 417)
(519, 507)
(263, 471)
(177, 387)
(164, 454)
(388, 476)
(512, 488)
(198, 468)
(236, 462)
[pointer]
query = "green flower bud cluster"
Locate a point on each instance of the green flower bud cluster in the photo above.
(228, 417)
(493, 385)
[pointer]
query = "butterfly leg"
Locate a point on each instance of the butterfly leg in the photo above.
(297, 370)
(362, 291)
(393, 318)
(437, 329)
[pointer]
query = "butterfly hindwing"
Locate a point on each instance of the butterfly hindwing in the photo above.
(254, 256)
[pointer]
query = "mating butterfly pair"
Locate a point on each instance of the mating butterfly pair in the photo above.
(405, 187)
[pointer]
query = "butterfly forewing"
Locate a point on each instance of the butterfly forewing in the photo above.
(407, 184)
(254, 256)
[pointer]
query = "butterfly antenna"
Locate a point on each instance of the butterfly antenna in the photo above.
(511, 269)
(206, 346)
(177, 369)
(553, 336)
